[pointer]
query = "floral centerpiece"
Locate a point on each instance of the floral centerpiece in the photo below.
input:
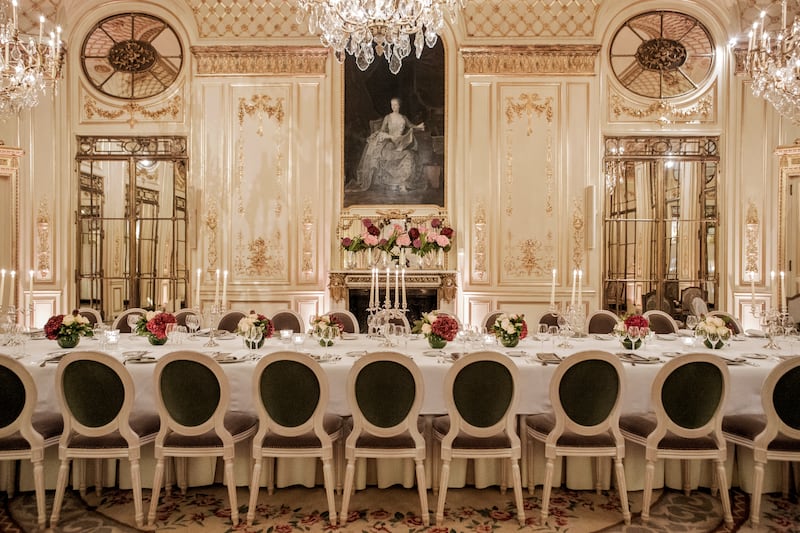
(510, 328)
(397, 240)
(153, 325)
(257, 321)
(67, 330)
(439, 329)
(326, 328)
(623, 330)
(715, 330)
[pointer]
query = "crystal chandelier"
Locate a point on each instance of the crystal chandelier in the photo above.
(28, 64)
(773, 63)
(363, 28)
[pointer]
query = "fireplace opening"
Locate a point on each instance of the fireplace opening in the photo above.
(418, 301)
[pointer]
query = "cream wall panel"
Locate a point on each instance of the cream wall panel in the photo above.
(478, 156)
(307, 211)
(578, 149)
(528, 210)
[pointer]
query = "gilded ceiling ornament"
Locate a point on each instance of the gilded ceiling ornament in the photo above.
(531, 18)
(247, 18)
(227, 60)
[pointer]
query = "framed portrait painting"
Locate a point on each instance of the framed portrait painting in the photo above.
(394, 132)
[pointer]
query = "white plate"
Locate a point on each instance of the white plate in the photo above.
(516, 353)
(603, 336)
(134, 353)
(349, 336)
(433, 353)
(356, 353)
(755, 356)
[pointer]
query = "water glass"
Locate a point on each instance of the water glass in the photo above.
(252, 336)
(193, 323)
(133, 320)
(169, 329)
(691, 322)
(298, 339)
(286, 336)
(543, 333)
(112, 338)
(552, 332)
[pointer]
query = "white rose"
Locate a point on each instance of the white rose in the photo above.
(509, 328)
(245, 324)
(80, 319)
(68, 320)
(426, 329)
(717, 322)
(150, 315)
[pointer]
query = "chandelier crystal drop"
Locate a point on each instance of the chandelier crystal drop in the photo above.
(773, 63)
(363, 28)
(28, 63)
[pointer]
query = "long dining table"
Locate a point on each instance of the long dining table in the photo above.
(749, 363)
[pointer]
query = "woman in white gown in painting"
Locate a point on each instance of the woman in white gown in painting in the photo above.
(390, 156)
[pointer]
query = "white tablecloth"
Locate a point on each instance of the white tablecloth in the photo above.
(744, 396)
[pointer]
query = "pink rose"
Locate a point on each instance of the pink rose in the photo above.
(367, 222)
(417, 243)
(403, 240)
(371, 240)
(430, 238)
(442, 241)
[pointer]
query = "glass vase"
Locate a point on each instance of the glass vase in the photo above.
(509, 341)
(436, 342)
(68, 341)
(156, 341)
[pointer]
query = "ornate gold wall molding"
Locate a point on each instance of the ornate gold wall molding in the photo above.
(578, 224)
(752, 245)
(526, 18)
(171, 109)
(211, 221)
(534, 59)
(44, 245)
(307, 267)
(663, 112)
(479, 249)
(225, 60)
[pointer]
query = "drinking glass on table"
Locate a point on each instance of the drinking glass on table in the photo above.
(691, 322)
(552, 332)
(181, 333)
(169, 329)
(133, 320)
(543, 333)
(713, 338)
(193, 323)
(634, 336)
(700, 335)
(252, 336)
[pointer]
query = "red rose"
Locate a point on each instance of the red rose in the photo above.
(524, 331)
(447, 232)
(373, 230)
(346, 242)
(413, 233)
(435, 222)
(52, 326)
(445, 327)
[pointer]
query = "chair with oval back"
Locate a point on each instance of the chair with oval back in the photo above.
(384, 392)
(192, 394)
(121, 322)
(586, 392)
(291, 397)
(774, 435)
(687, 396)
(288, 319)
(731, 321)
(96, 393)
(23, 433)
(230, 321)
(660, 322)
(551, 319)
(490, 319)
(92, 315)
(348, 320)
(482, 395)
(181, 314)
(601, 321)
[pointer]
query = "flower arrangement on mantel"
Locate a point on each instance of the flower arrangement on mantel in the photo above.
(420, 240)
(438, 329)
(510, 328)
(153, 325)
(67, 330)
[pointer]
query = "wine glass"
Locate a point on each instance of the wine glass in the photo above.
(552, 332)
(193, 323)
(252, 336)
(725, 336)
(328, 335)
(181, 332)
(700, 335)
(691, 322)
(543, 333)
(169, 329)
(712, 338)
(634, 336)
(463, 336)
(133, 320)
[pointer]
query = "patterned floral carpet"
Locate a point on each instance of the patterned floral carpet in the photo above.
(396, 509)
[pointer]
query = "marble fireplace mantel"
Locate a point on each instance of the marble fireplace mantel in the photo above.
(340, 282)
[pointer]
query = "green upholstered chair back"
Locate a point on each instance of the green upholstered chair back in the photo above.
(230, 321)
(287, 320)
(93, 392)
(785, 395)
(483, 392)
(660, 323)
(179, 384)
(290, 392)
(588, 391)
(692, 393)
(348, 320)
(121, 322)
(12, 396)
(385, 392)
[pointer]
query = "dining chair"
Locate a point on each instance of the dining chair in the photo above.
(92, 315)
(121, 322)
(551, 319)
(661, 322)
(482, 395)
(385, 392)
(774, 435)
(687, 396)
(96, 393)
(291, 397)
(490, 319)
(181, 314)
(730, 320)
(192, 395)
(288, 319)
(699, 307)
(688, 294)
(601, 321)
(348, 320)
(230, 321)
(586, 391)
(25, 434)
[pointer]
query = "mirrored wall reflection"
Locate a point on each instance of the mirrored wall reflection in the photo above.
(660, 224)
(132, 223)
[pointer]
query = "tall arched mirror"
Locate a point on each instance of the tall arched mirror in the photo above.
(132, 223)
(660, 224)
